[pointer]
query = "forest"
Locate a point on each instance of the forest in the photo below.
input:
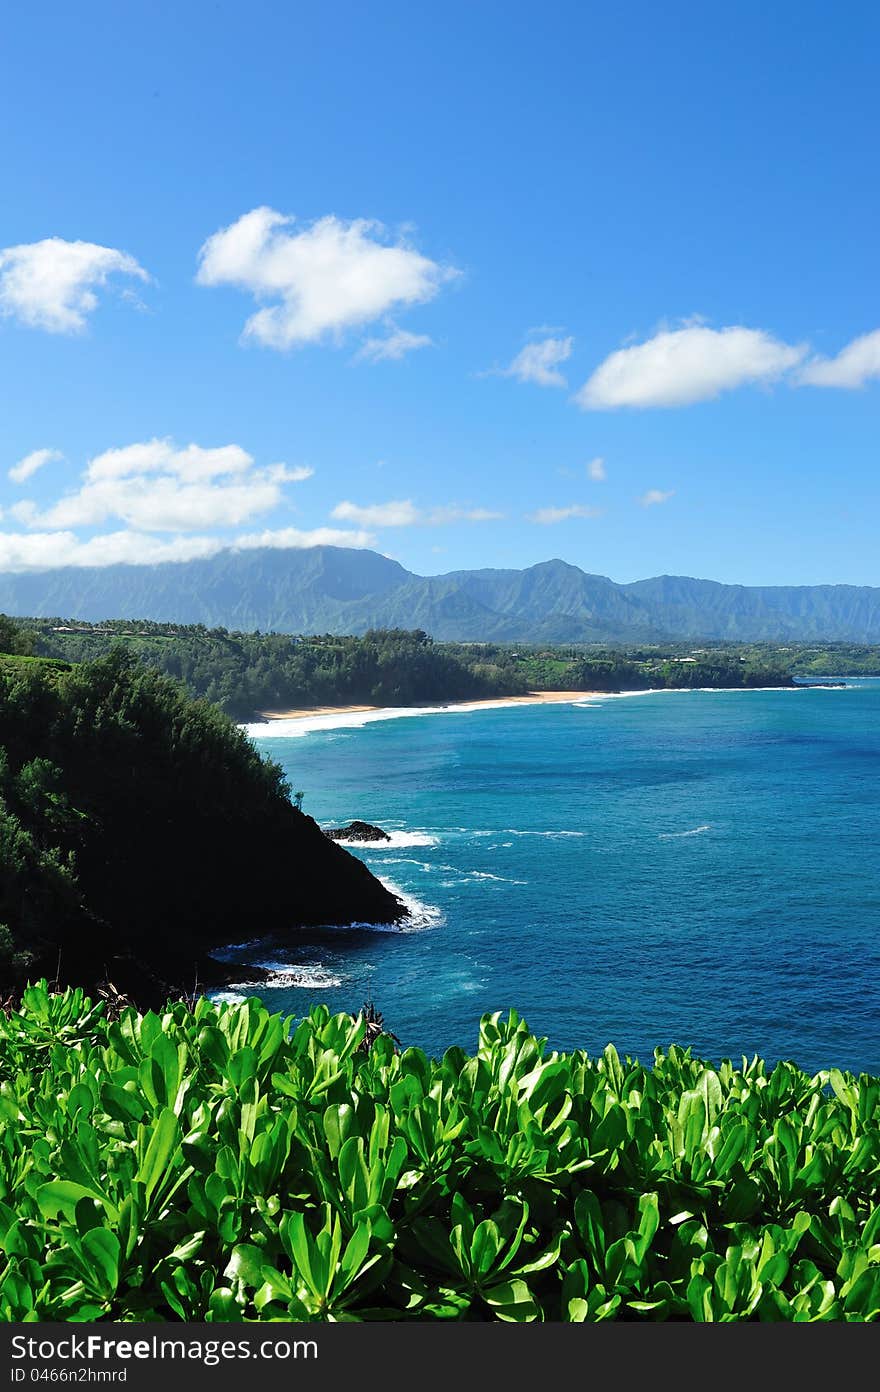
(246, 674)
(140, 829)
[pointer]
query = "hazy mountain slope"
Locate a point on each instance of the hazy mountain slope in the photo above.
(706, 609)
(297, 591)
(334, 590)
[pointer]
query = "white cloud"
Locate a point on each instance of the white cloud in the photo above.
(154, 486)
(163, 504)
(440, 516)
(596, 470)
(330, 277)
(680, 366)
(403, 513)
(288, 538)
(37, 459)
(193, 464)
(394, 347)
(51, 284)
(655, 496)
(548, 516)
(24, 512)
(854, 365)
(47, 550)
(539, 362)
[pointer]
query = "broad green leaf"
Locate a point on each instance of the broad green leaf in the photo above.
(160, 1148)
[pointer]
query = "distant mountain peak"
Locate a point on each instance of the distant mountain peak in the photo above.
(331, 589)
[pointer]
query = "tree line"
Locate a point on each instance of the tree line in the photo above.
(248, 673)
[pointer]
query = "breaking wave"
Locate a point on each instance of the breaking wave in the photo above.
(396, 840)
(676, 835)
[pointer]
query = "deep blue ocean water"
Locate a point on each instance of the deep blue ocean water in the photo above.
(691, 867)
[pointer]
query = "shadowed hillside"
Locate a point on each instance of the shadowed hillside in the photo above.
(140, 829)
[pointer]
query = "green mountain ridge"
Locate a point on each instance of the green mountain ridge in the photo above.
(337, 590)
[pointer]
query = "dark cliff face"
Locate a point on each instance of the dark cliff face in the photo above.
(139, 826)
(185, 886)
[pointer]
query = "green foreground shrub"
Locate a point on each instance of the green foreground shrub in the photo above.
(224, 1163)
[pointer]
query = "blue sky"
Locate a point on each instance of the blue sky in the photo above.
(580, 280)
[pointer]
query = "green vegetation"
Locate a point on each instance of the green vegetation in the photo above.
(246, 673)
(833, 660)
(639, 669)
(222, 1163)
(139, 829)
(327, 589)
(15, 638)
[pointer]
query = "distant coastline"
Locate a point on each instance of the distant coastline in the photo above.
(304, 720)
(531, 698)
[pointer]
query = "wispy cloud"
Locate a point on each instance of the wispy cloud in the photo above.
(331, 277)
(539, 363)
(394, 346)
(291, 538)
(403, 512)
(854, 366)
(678, 367)
(548, 516)
(437, 517)
(32, 463)
(655, 496)
(596, 470)
(52, 284)
(399, 513)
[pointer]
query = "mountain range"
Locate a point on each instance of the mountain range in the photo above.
(331, 589)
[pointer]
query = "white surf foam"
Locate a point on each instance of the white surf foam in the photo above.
(512, 831)
(299, 726)
(396, 840)
(307, 976)
(355, 720)
(501, 879)
(419, 914)
(676, 835)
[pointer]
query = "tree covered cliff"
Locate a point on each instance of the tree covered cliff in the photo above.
(138, 826)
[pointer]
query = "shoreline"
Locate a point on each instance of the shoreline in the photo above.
(299, 721)
(531, 698)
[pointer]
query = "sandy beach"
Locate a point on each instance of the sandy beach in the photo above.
(532, 698)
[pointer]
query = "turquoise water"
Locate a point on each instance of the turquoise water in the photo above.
(690, 867)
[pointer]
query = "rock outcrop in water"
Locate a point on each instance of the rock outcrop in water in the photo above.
(357, 831)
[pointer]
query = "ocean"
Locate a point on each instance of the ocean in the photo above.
(698, 868)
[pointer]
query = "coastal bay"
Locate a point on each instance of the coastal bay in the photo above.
(686, 865)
